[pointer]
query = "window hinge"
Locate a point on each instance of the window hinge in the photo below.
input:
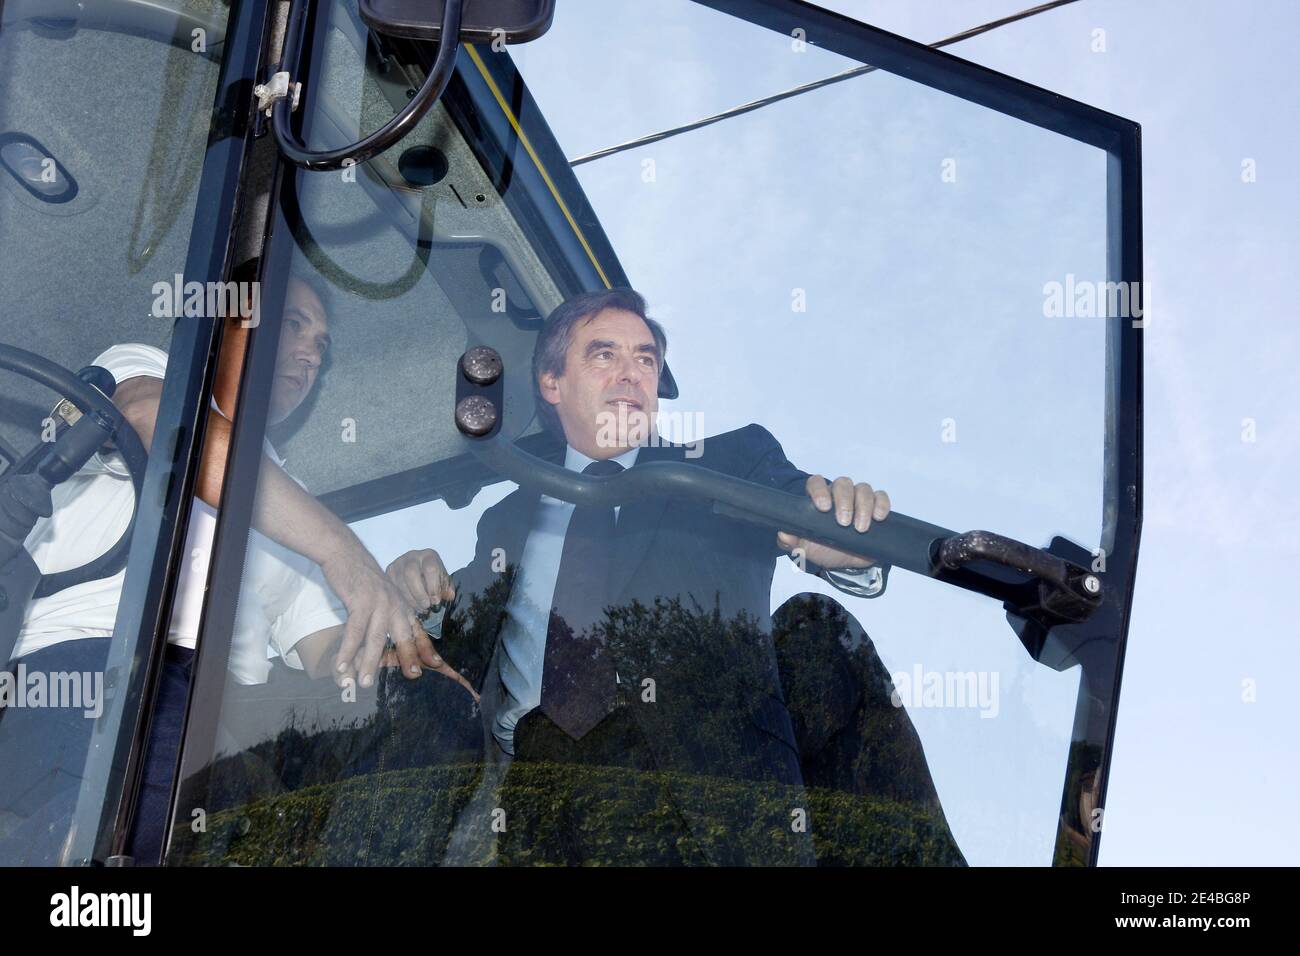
(277, 88)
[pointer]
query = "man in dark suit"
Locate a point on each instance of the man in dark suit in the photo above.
(631, 695)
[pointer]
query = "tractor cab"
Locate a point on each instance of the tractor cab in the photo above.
(869, 259)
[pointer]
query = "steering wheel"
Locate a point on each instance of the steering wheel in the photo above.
(88, 400)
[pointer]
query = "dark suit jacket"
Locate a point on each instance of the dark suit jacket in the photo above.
(690, 630)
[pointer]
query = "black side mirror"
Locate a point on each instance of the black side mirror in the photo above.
(516, 21)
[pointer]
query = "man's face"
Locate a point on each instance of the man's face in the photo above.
(607, 397)
(304, 339)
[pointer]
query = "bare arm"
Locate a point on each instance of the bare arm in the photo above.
(285, 513)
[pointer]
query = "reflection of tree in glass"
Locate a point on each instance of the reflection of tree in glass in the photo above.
(710, 676)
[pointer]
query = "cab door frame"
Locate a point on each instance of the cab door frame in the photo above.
(114, 767)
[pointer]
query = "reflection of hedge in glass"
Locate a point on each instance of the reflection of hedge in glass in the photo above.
(562, 815)
(402, 773)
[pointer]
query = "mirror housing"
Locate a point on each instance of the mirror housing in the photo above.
(522, 20)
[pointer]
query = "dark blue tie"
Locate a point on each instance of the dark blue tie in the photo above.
(578, 675)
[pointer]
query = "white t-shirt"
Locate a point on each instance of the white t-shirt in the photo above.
(284, 597)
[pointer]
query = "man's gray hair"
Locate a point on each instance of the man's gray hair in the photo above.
(557, 335)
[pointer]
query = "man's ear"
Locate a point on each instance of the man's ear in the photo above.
(549, 383)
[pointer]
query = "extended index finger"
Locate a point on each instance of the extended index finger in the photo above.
(424, 646)
(354, 632)
(376, 639)
(402, 628)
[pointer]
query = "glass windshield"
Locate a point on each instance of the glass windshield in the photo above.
(877, 272)
(860, 282)
(105, 110)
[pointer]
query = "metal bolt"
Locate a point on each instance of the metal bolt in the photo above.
(481, 365)
(1091, 584)
(475, 415)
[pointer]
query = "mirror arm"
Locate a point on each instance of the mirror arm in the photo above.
(295, 152)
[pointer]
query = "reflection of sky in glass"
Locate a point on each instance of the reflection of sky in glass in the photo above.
(924, 297)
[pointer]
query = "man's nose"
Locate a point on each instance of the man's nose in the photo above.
(630, 371)
(307, 353)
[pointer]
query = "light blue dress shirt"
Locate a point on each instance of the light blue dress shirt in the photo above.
(523, 635)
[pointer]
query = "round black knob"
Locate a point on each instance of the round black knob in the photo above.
(481, 365)
(475, 415)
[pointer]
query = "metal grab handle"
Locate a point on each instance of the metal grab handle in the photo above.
(1063, 592)
(293, 150)
(899, 540)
